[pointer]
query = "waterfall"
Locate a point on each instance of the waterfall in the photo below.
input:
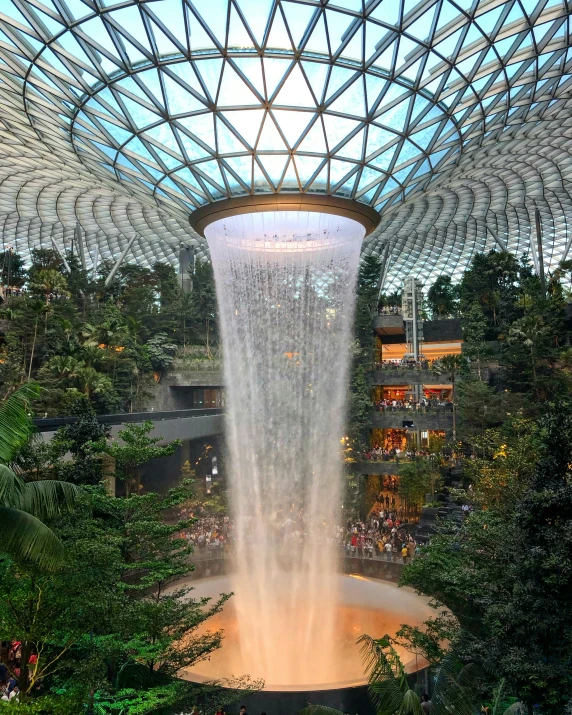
(285, 285)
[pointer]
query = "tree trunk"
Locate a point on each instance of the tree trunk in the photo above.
(454, 408)
(33, 348)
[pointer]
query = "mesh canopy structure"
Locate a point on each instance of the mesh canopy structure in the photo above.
(450, 118)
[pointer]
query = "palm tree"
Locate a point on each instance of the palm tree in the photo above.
(457, 688)
(24, 505)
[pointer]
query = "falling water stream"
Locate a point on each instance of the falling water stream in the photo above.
(285, 284)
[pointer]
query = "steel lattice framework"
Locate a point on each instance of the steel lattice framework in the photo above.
(450, 118)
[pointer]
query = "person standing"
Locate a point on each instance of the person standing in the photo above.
(425, 703)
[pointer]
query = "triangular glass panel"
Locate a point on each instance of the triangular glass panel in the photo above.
(150, 80)
(251, 68)
(354, 49)
(227, 142)
(377, 138)
(141, 117)
(292, 123)
(246, 122)
(320, 183)
(270, 139)
(408, 151)
(202, 126)
(352, 101)
(420, 105)
(260, 183)
(129, 18)
(389, 186)
(278, 37)
(473, 36)
(374, 87)
(369, 176)
(354, 148)
(298, 18)
(338, 77)
(212, 170)
(129, 84)
(169, 161)
(274, 165)
(337, 129)
(387, 12)
(77, 8)
(138, 147)
(256, 14)
(234, 185)
(97, 32)
(385, 60)
(488, 20)
(446, 48)
(374, 34)
(307, 167)
(120, 135)
(214, 15)
(421, 28)
(314, 141)
(163, 135)
(383, 161)
(199, 39)
(447, 14)
(316, 74)
(185, 72)
(210, 71)
(238, 36)
(339, 170)
(179, 100)
(406, 48)
(395, 117)
(233, 91)
(424, 137)
(165, 46)
(274, 71)
(347, 187)
(242, 166)
(355, 5)
(295, 91)
(170, 12)
(318, 40)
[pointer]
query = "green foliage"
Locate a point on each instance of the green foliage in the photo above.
(416, 480)
(506, 573)
(442, 298)
(161, 351)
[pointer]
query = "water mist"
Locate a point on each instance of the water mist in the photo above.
(285, 285)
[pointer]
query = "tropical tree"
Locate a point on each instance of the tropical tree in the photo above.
(442, 298)
(24, 505)
(451, 365)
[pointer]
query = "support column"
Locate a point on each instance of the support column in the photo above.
(119, 261)
(186, 262)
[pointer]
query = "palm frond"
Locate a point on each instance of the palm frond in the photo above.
(16, 423)
(12, 486)
(320, 710)
(454, 689)
(25, 538)
(515, 709)
(411, 704)
(387, 683)
(48, 498)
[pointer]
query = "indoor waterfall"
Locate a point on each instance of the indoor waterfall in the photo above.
(285, 285)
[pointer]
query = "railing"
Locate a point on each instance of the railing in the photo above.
(441, 408)
(221, 553)
(50, 423)
(420, 365)
(197, 365)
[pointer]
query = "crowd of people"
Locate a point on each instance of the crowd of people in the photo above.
(423, 405)
(209, 533)
(389, 310)
(381, 536)
(408, 363)
(10, 658)
(395, 454)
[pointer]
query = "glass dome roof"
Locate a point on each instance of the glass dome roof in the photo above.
(178, 103)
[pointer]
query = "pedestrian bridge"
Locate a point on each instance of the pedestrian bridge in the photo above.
(175, 424)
